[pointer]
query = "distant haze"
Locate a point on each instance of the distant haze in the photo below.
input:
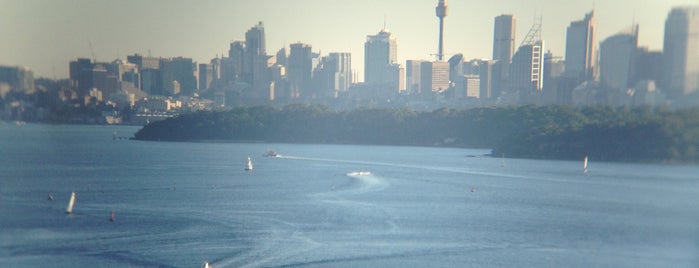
(46, 35)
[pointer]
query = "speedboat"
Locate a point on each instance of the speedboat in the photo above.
(271, 153)
(359, 173)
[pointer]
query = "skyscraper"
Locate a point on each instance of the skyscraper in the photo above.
(232, 70)
(206, 75)
(681, 52)
(380, 51)
(504, 38)
(526, 71)
(434, 76)
(299, 71)
(412, 76)
(255, 47)
(178, 71)
(526, 80)
(503, 50)
(580, 49)
(342, 70)
(618, 59)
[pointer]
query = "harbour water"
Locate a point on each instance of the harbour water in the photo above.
(180, 204)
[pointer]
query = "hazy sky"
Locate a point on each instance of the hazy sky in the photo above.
(46, 34)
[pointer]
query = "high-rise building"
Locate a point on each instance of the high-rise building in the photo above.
(299, 70)
(232, 67)
(504, 38)
(526, 71)
(618, 60)
(434, 76)
(341, 70)
(412, 76)
(20, 79)
(380, 51)
(281, 57)
(180, 70)
(255, 47)
(503, 49)
(581, 50)
(144, 62)
(206, 75)
(649, 64)
(485, 76)
(681, 52)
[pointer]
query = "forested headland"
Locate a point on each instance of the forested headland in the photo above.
(643, 134)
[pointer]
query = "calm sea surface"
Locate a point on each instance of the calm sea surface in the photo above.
(180, 204)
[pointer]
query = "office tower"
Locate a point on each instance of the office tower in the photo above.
(649, 64)
(341, 70)
(553, 69)
(526, 78)
(206, 75)
(503, 49)
(281, 57)
(580, 49)
(144, 62)
(618, 60)
(412, 76)
(20, 79)
(232, 69)
(255, 47)
(485, 76)
(86, 75)
(216, 68)
(332, 75)
(527, 69)
(681, 52)
(152, 64)
(434, 76)
(299, 71)
(178, 76)
(504, 38)
(441, 11)
(380, 51)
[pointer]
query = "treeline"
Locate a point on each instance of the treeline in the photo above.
(552, 132)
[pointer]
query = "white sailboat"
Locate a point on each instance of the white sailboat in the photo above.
(585, 165)
(249, 166)
(71, 203)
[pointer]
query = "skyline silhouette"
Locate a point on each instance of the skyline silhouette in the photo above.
(102, 30)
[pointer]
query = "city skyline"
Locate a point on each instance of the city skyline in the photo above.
(46, 42)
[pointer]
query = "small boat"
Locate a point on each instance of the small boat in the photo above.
(271, 153)
(359, 173)
(112, 216)
(585, 165)
(71, 203)
(249, 166)
(206, 265)
(50, 197)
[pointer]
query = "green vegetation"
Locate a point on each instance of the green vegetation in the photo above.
(553, 132)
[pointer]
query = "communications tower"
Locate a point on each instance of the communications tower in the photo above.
(441, 13)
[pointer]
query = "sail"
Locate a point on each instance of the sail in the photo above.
(585, 164)
(249, 166)
(69, 209)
